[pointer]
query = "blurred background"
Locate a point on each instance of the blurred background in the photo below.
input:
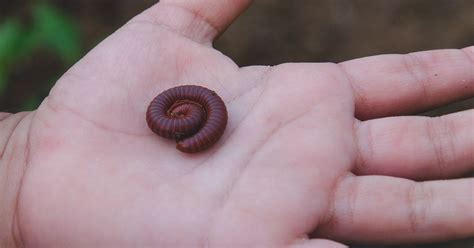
(40, 40)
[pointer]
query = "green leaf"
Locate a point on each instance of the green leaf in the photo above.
(31, 104)
(3, 81)
(57, 31)
(11, 36)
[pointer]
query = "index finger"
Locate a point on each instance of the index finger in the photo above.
(395, 84)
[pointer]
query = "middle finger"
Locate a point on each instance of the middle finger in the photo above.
(417, 147)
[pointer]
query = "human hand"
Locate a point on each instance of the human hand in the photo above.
(295, 158)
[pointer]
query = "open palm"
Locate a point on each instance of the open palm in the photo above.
(286, 166)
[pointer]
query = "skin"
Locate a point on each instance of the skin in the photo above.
(311, 156)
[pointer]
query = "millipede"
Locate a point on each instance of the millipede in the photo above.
(194, 116)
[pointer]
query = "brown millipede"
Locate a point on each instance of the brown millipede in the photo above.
(194, 116)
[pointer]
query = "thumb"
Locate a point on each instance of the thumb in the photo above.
(317, 243)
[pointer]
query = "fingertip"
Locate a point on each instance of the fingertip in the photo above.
(317, 243)
(199, 20)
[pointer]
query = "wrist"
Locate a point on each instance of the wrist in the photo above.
(14, 131)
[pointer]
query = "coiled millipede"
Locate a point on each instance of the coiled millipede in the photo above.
(194, 116)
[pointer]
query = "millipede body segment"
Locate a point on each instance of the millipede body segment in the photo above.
(194, 116)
